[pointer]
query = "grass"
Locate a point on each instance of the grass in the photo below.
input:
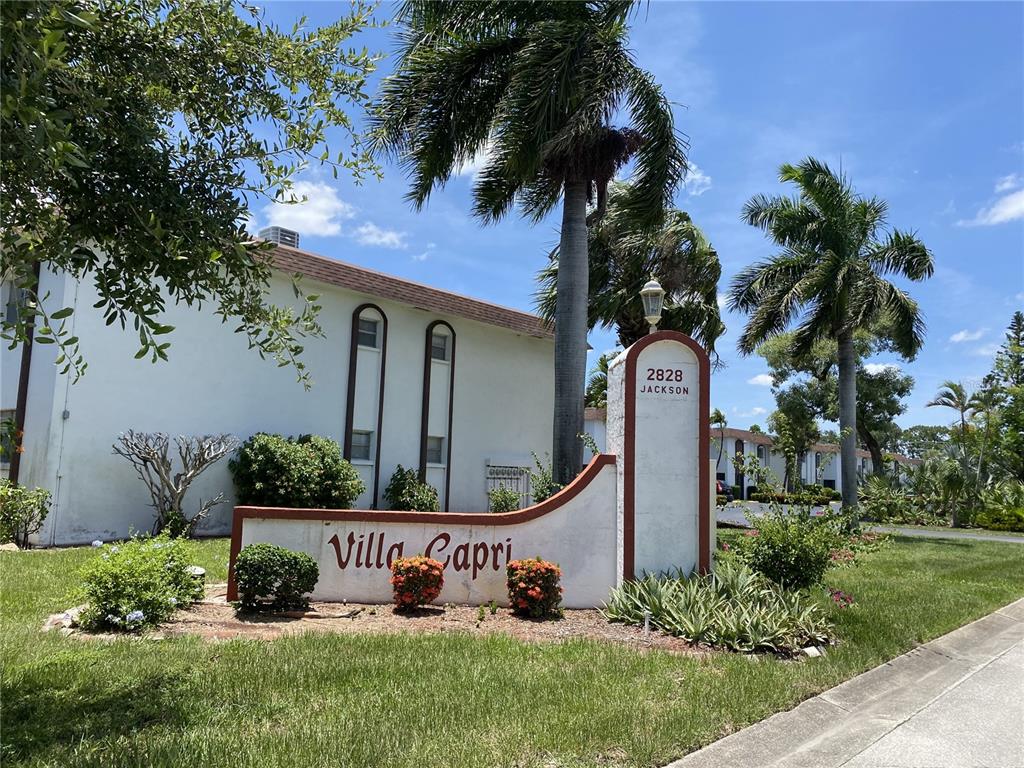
(965, 531)
(448, 700)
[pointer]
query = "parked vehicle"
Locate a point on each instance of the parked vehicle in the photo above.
(721, 489)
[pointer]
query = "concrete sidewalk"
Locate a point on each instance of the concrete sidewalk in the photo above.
(956, 702)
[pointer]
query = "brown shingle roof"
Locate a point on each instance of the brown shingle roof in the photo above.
(373, 283)
(759, 438)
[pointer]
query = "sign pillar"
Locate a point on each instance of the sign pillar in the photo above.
(658, 426)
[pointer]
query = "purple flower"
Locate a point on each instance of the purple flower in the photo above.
(135, 616)
(97, 543)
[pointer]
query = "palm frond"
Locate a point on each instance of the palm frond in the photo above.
(903, 254)
(660, 163)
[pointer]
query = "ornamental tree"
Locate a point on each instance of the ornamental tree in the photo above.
(134, 139)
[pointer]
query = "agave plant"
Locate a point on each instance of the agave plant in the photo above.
(733, 608)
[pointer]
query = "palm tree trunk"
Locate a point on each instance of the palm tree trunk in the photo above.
(875, 449)
(848, 419)
(571, 296)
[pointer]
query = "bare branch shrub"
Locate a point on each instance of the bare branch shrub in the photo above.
(150, 454)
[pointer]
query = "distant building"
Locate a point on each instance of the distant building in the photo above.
(820, 465)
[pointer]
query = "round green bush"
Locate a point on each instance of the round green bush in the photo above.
(137, 584)
(304, 472)
(272, 578)
(503, 499)
(406, 493)
(793, 550)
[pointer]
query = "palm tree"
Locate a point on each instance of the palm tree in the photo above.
(836, 250)
(532, 88)
(953, 394)
(624, 254)
(718, 420)
(597, 385)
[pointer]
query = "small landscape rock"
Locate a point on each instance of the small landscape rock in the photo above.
(812, 651)
(9, 547)
(196, 571)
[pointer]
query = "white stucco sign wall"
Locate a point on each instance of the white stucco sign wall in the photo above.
(354, 548)
(658, 410)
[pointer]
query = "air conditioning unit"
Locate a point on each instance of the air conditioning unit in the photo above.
(281, 236)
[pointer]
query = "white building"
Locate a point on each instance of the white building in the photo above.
(406, 374)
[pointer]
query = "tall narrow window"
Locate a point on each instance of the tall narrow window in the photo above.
(361, 443)
(435, 450)
(6, 437)
(439, 346)
(367, 336)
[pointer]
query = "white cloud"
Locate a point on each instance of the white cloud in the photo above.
(1006, 183)
(424, 255)
(318, 210)
(761, 380)
(1007, 208)
(723, 299)
(250, 222)
(370, 234)
(987, 350)
(755, 411)
(697, 182)
(876, 368)
(966, 335)
(473, 167)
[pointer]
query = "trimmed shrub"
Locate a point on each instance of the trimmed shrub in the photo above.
(503, 499)
(533, 587)
(811, 495)
(733, 607)
(416, 581)
(22, 512)
(720, 500)
(137, 584)
(305, 472)
(272, 578)
(406, 493)
(1001, 519)
(792, 549)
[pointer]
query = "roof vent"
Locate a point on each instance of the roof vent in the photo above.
(281, 236)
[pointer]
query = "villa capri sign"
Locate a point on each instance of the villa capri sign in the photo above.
(643, 506)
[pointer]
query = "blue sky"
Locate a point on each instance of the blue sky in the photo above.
(921, 104)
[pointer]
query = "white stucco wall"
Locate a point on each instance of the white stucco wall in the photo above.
(578, 535)
(214, 383)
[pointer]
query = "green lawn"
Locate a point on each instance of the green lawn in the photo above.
(965, 531)
(442, 700)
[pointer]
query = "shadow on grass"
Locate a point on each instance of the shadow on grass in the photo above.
(42, 713)
(945, 541)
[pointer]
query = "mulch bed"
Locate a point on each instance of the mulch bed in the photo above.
(214, 619)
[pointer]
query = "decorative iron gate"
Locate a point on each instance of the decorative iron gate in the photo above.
(516, 478)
